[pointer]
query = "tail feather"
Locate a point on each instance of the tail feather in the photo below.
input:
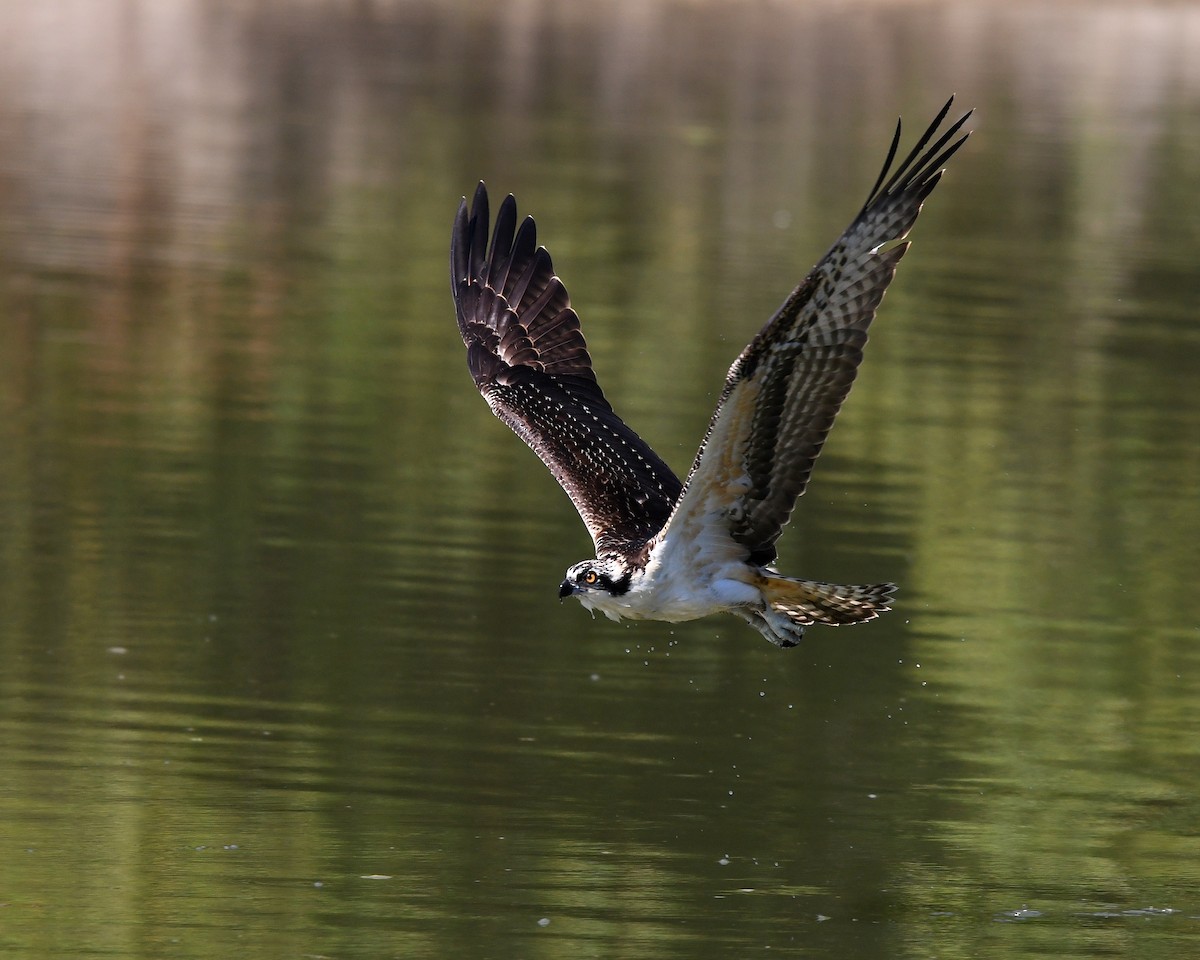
(809, 601)
(791, 605)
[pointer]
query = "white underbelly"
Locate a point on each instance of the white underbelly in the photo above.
(675, 599)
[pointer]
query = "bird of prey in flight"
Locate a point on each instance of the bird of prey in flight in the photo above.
(671, 550)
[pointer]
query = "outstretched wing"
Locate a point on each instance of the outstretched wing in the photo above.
(530, 362)
(782, 394)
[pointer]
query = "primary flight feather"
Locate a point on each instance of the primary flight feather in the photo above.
(667, 550)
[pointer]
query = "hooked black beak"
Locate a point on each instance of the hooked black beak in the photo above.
(565, 589)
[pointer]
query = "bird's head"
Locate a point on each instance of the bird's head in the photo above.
(596, 582)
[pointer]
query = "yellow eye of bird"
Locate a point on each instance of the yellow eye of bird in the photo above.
(590, 577)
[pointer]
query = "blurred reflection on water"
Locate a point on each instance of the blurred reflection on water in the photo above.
(283, 670)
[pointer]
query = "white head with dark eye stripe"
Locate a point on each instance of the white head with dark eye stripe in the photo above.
(594, 582)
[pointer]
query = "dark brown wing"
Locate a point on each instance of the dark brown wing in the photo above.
(530, 362)
(782, 394)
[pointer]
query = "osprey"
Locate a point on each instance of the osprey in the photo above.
(667, 550)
